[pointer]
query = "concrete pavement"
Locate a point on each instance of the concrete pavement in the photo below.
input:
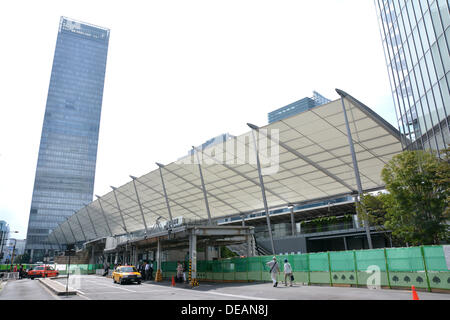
(100, 288)
(93, 287)
(24, 289)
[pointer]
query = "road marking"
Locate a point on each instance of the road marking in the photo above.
(236, 295)
(82, 294)
(107, 285)
(168, 290)
(224, 294)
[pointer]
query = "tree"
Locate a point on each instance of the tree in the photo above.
(419, 189)
(227, 253)
(23, 258)
(373, 208)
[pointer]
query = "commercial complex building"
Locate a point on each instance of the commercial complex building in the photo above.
(213, 141)
(297, 107)
(416, 37)
(12, 249)
(4, 235)
(65, 171)
(327, 156)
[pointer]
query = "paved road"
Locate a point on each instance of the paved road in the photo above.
(25, 289)
(99, 288)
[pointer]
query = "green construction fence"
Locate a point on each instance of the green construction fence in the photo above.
(423, 267)
(78, 268)
(62, 268)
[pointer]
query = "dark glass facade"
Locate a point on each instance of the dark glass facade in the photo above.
(415, 35)
(65, 171)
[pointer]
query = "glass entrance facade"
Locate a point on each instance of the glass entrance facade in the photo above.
(415, 35)
(65, 170)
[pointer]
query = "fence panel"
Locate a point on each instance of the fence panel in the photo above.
(217, 271)
(319, 268)
(169, 269)
(202, 266)
(367, 264)
(406, 267)
(300, 269)
(255, 268)
(241, 265)
(438, 271)
(209, 270)
(342, 264)
(228, 269)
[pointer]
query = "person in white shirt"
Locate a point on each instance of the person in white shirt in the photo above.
(151, 270)
(274, 269)
(287, 272)
(147, 271)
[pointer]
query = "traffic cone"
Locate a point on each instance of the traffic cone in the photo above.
(414, 293)
(173, 281)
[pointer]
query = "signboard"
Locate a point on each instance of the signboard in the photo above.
(447, 255)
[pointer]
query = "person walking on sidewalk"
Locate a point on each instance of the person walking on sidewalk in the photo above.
(147, 270)
(21, 272)
(274, 270)
(179, 272)
(287, 272)
(151, 270)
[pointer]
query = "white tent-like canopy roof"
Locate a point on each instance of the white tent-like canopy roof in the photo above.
(303, 157)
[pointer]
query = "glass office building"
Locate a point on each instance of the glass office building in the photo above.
(297, 107)
(65, 170)
(415, 35)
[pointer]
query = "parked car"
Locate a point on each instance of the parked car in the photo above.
(125, 274)
(42, 271)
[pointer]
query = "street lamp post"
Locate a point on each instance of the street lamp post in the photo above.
(291, 208)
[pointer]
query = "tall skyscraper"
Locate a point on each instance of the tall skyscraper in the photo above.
(68, 149)
(297, 107)
(416, 35)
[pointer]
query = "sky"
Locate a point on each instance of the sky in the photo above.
(180, 72)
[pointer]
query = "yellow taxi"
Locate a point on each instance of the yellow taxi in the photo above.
(123, 274)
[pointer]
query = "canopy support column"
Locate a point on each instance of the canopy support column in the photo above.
(90, 219)
(81, 227)
(301, 156)
(291, 207)
(139, 203)
(356, 170)
(64, 235)
(120, 210)
(104, 215)
(249, 244)
(158, 276)
(70, 227)
(203, 187)
(263, 191)
(193, 257)
(165, 193)
(93, 254)
(59, 245)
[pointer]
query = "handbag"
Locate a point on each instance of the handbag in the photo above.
(292, 277)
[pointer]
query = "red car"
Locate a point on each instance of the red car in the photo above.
(42, 272)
